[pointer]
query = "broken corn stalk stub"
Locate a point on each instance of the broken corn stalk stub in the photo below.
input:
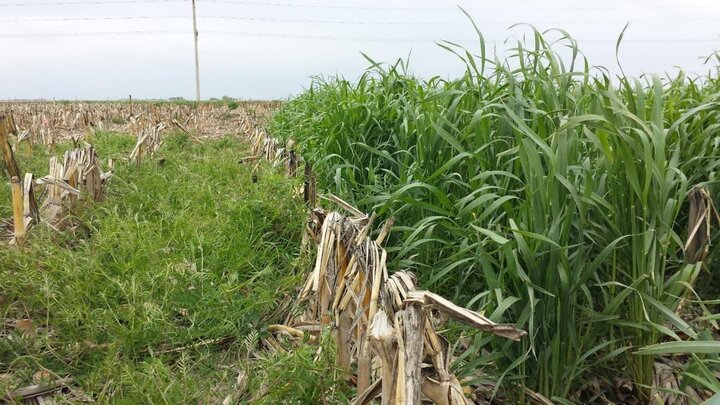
(7, 126)
(357, 290)
(80, 169)
(378, 319)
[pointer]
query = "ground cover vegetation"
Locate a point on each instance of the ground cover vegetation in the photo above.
(161, 292)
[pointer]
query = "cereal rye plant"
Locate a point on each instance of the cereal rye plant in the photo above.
(538, 190)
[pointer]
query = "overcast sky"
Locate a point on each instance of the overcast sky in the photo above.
(269, 48)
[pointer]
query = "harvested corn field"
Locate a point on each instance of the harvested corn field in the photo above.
(48, 122)
(76, 216)
(162, 291)
(532, 235)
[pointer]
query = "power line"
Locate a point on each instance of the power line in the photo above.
(91, 34)
(347, 7)
(460, 22)
(18, 20)
(219, 17)
(366, 39)
(328, 6)
(344, 7)
(337, 38)
(81, 3)
(650, 40)
(329, 38)
(240, 2)
(326, 38)
(349, 22)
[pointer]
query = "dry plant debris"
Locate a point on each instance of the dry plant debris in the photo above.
(383, 325)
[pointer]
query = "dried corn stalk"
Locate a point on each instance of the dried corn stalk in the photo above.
(7, 127)
(700, 217)
(148, 143)
(49, 121)
(79, 170)
(269, 148)
(382, 324)
(31, 212)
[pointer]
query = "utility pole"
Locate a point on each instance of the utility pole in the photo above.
(197, 60)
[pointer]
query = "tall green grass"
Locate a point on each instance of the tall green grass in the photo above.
(537, 189)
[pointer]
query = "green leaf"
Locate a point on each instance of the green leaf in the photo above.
(681, 347)
(494, 236)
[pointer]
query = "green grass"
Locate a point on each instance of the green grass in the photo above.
(179, 253)
(536, 189)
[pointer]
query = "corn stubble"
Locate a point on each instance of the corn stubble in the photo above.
(381, 319)
(46, 122)
(383, 326)
(79, 170)
(202, 280)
